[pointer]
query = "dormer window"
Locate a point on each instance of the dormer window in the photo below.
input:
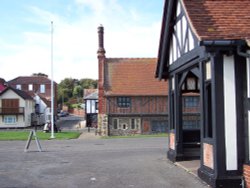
(19, 86)
(30, 87)
(42, 88)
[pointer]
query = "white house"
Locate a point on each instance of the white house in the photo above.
(42, 109)
(16, 108)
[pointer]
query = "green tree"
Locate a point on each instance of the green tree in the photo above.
(87, 83)
(70, 88)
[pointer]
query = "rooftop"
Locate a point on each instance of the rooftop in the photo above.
(219, 19)
(133, 77)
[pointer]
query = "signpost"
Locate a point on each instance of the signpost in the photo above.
(32, 133)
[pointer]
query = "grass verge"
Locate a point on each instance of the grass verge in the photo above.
(137, 136)
(23, 135)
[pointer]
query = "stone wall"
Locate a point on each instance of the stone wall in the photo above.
(102, 128)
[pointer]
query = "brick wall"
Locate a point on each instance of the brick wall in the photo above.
(77, 112)
(246, 174)
(101, 99)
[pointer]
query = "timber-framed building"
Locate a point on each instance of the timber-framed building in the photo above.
(206, 45)
(130, 99)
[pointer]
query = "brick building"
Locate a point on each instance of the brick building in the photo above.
(38, 86)
(130, 98)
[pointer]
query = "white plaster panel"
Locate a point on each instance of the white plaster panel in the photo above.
(184, 27)
(88, 106)
(178, 8)
(230, 113)
(191, 40)
(171, 53)
(174, 48)
(93, 106)
(179, 37)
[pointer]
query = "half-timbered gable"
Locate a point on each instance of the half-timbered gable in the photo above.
(91, 106)
(204, 49)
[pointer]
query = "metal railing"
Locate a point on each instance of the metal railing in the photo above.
(8, 111)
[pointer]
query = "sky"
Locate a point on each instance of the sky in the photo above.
(131, 29)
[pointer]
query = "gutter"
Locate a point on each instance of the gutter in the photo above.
(237, 43)
(218, 43)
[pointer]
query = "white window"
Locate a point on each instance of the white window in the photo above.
(18, 86)
(135, 123)
(9, 119)
(30, 87)
(42, 88)
(138, 123)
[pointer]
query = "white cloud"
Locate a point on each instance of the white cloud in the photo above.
(75, 42)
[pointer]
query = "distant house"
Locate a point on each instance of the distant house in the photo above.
(42, 109)
(91, 106)
(2, 84)
(131, 100)
(16, 108)
(40, 88)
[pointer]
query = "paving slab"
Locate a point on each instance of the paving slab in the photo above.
(190, 166)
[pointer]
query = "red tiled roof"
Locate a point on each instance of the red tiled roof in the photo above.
(21, 93)
(46, 101)
(2, 87)
(219, 19)
(30, 80)
(88, 92)
(133, 76)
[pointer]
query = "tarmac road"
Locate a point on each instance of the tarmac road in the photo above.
(94, 163)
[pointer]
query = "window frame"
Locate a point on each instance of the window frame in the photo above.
(19, 86)
(191, 101)
(7, 119)
(42, 88)
(123, 102)
(115, 123)
(30, 87)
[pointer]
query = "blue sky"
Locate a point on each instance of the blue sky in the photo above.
(132, 29)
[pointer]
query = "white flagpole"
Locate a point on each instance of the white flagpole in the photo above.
(52, 86)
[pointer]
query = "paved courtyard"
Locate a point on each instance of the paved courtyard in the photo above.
(92, 163)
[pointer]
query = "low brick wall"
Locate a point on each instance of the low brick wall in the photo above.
(77, 112)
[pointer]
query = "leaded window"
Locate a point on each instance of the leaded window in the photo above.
(124, 102)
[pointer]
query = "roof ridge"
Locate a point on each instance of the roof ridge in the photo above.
(131, 58)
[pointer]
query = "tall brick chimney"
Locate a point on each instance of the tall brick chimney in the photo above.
(101, 50)
(102, 110)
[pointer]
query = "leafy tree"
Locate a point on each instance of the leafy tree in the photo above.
(40, 74)
(70, 88)
(77, 92)
(88, 83)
